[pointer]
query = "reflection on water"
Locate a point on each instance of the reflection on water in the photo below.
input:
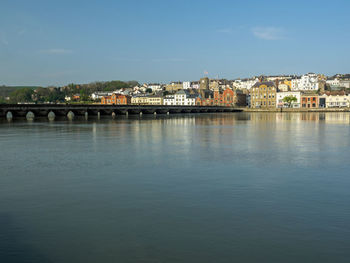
(245, 187)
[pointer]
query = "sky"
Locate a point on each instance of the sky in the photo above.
(60, 42)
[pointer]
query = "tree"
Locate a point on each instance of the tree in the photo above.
(22, 95)
(2, 100)
(289, 99)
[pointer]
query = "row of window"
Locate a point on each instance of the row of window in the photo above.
(256, 96)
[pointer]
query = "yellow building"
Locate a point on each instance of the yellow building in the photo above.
(141, 100)
(263, 95)
(147, 100)
(155, 100)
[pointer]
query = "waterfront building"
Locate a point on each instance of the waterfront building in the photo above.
(169, 100)
(334, 99)
(281, 95)
(141, 99)
(155, 100)
(182, 97)
(309, 101)
(117, 99)
(224, 98)
(145, 99)
(202, 101)
(263, 95)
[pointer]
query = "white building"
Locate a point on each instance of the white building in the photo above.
(99, 95)
(336, 101)
(186, 85)
(195, 85)
(283, 87)
(182, 97)
(244, 84)
(333, 82)
(154, 87)
(305, 82)
(281, 95)
(279, 78)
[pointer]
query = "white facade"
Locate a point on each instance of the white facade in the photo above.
(169, 100)
(333, 82)
(280, 78)
(99, 95)
(281, 104)
(283, 87)
(244, 84)
(306, 82)
(180, 98)
(155, 87)
(337, 101)
(186, 85)
(195, 85)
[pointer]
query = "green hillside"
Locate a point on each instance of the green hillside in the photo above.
(5, 91)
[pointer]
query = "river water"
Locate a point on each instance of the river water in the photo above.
(227, 187)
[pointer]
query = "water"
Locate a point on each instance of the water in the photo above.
(235, 187)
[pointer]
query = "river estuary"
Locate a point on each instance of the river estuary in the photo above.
(225, 187)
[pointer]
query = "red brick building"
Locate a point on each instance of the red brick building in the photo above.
(309, 101)
(227, 98)
(117, 99)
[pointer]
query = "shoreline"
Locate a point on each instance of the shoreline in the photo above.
(281, 110)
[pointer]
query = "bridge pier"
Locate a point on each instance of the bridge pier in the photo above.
(70, 115)
(98, 115)
(9, 116)
(86, 115)
(113, 114)
(51, 116)
(141, 113)
(30, 116)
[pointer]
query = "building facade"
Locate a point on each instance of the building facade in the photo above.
(307, 82)
(336, 101)
(182, 97)
(263, 95)
(281, 95)
(309, 101)
(117, 99)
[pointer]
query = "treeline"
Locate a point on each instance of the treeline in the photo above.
(58, 94)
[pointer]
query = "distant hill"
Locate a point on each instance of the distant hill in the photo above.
(5, 91)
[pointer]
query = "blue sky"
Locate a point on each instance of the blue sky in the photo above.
(59, 42)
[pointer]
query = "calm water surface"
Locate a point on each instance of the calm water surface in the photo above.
(194, 188)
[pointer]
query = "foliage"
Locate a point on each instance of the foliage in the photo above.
(5, 91)
(289, 99)
(2, 100)
(148, 90)
(58, 94)
(22, 95)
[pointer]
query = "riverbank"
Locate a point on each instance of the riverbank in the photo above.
(297, 110)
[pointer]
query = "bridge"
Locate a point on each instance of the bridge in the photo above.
(30, 111)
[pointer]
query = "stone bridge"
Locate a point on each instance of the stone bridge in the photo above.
(30, 111)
